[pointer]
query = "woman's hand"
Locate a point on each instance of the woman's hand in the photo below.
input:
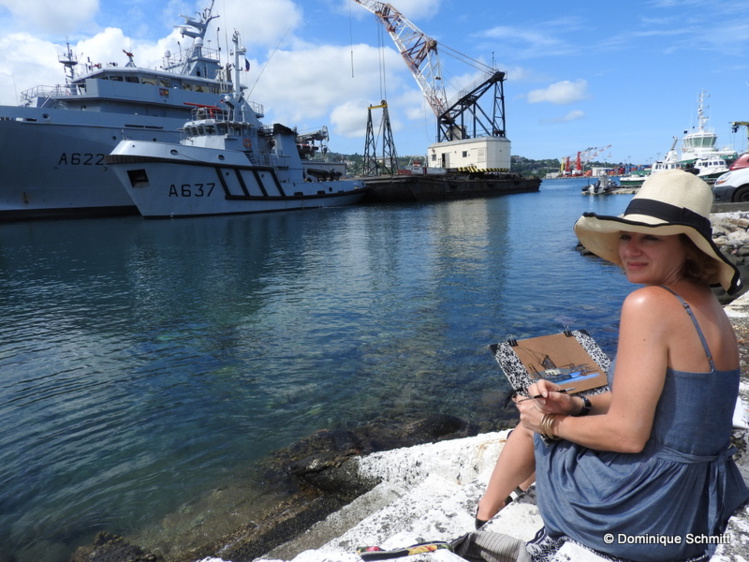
(530, 414)
(551, 402)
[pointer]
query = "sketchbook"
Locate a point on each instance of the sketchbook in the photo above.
(571, 359)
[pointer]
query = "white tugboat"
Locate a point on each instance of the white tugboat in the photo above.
(699, 150)
(227, 162)
(669, 162)
(698, 154)
(701, 144)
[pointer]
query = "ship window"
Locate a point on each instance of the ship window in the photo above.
(138, 178)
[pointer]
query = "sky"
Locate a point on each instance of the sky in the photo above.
(616, 80)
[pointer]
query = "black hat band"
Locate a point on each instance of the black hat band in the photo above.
(670, 213)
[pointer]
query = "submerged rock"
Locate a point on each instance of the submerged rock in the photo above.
(319, 460)
(108, 547)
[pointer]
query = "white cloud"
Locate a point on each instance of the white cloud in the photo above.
(527, 43)
(414, 10)
(59, 16)
(348, 120)
(321, 85)
(27, 62)
(260, 22)
(573, 115)
(560, 93)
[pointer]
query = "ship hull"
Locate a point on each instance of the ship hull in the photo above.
(445, 187)
(54, 161)
(171, 180)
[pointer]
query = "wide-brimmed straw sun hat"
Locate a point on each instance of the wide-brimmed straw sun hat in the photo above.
(669, 202)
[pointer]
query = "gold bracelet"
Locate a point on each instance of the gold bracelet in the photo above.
(546, 426)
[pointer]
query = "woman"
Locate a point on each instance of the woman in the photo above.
(643, 472)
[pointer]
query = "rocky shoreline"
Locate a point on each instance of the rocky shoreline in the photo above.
(310, 480)
(731, 235)
(321, 475)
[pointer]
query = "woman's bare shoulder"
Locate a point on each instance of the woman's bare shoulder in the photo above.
(646, 298)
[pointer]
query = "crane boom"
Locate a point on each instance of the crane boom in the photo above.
(469, 136)
(736, 124)
(462, 118)
(417, 49)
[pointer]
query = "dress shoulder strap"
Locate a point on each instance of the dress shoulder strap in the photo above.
(686, 306)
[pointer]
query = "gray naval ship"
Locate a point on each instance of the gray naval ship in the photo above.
(54, 145)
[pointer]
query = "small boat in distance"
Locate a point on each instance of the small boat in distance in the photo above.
(227, 162)
(708, 168)
(670, 162)
(603, 185)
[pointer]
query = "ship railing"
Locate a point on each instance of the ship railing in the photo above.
(257, 108)
(190, 55)
(222, 113)
(41, 92)
(210, 112)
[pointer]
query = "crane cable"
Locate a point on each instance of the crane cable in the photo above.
(381, 52)
(267, 62)
(477, 64)
(351, 38)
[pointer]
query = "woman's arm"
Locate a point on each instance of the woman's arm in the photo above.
(641, 362)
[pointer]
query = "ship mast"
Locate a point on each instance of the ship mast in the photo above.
(238, 87)
(701, 117)
(69, 61)
(196, 29)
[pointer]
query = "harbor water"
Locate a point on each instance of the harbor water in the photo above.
(147, 364)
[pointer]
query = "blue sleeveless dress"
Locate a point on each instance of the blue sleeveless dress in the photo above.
(672, 500)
